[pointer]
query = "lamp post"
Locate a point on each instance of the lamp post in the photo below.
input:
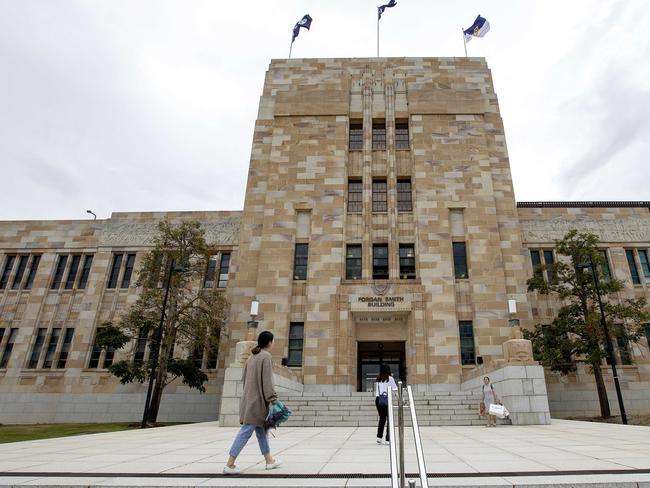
(159, 333)
(252, 323)
(92, 213)
(608, 340)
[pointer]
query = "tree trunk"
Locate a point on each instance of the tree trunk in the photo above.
(161, 367)
(602, 392)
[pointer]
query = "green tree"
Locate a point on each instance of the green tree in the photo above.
(576, 334)
(194, 315)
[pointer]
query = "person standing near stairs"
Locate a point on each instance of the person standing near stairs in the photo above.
(489, 398)
(382, 397)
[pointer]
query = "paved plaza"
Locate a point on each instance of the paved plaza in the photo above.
(194, 454)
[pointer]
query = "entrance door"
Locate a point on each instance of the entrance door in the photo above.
(371, 355)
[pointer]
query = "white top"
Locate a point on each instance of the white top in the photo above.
(381, 388)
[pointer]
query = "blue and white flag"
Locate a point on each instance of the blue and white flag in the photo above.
(304, 22)
(381, 8)
(479, 28)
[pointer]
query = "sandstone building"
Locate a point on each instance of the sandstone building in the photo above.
(379, 226)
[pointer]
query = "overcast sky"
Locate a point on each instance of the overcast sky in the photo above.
(122, 105)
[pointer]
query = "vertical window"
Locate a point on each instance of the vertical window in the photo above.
(404, 199)
(535, 259)
(212, 350)
(460, 260)
(2, 334)
(645, 265)
(209, 272)
(58, 273)
(110, 354)
(140, 346)
(467, 352)
(51, 348)
(38, 347)
(647, 334)
(634, 271)
(224, 266)
(356, 136)
(406, 261)
(128, 270)
(355, 196)
(353, 262)
(32, 272)
(72, 272)
(379, 196)
(378, 135)
(296, 335)
(20, 272)
(548, 261)
(380, 261)
(115, 270)
(300, 261)
(402, 135)
(9, 265)
(65, 348)
(624, 351)
(605, 271)
(85, 271)
(95, 356)
(9, 346)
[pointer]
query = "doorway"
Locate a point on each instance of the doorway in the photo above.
(370, 357)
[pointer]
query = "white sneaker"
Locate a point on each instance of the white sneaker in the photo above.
(228, 470)
(276, 464)
(379, 441)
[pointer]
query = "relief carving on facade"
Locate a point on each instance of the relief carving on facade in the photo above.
(630, 229)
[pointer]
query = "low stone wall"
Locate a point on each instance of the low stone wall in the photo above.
(42, 408)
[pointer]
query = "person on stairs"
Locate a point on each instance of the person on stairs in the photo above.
(382, 397)
(489, 398)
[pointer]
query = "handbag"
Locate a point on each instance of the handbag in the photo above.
(497, 410)
(383, 400)
(278, 414)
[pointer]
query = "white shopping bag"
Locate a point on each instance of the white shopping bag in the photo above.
(497, 410)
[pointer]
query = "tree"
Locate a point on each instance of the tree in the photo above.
(576, 334)
(194, 315)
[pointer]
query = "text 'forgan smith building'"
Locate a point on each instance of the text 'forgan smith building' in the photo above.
(379, 226)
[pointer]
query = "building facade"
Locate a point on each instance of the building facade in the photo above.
(379, 227)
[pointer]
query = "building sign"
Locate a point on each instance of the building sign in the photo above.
(380, 303)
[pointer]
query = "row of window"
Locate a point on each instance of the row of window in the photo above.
(379, 195)
(54, 355)
(20, 280)
(355, 141)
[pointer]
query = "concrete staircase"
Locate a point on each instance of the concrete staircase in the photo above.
(358, 409)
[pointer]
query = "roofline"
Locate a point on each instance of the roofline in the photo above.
(639, 204)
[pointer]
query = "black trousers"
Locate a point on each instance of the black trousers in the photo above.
(383, 420)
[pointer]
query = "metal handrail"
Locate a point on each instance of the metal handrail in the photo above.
(400, 412)
(393, 454)
(418, 441)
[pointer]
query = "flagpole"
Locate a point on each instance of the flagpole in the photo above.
(464, 40)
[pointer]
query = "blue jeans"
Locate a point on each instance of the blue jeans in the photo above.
(244, 434)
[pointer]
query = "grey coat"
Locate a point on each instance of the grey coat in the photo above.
(259, 390)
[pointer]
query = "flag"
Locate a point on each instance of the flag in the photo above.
(380, 9)
(479, 28)
(304, 22)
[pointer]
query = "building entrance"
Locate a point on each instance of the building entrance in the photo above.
(371, 355)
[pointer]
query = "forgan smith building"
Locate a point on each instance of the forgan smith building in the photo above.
(380, 226)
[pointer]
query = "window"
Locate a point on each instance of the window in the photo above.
(72, 272)
(9, 264)
(38, 347)
(404, 200)
(140, 346)
(380, 261)
(85, 271)
(402, 135)
(536, 256)
(634, 271)
(548, 261)
(32, 272)
(378, 135)
(467, 352)
(58, 273)
(95, 356)
(9, 346)
(65, 348)
(624, 352)
(51, 348)
(224, 266)
(209, 273)
(356, 136)
(460, 260)
(296, 335)
(645, 266)
(20, 272)
(406, 261)
(353, 262)
(379, 196)
(300, 261)
(535, 259)
(128, 270)
(647, 334)
(604, 266)
(355, 196)
(115, 270)
(100, 359)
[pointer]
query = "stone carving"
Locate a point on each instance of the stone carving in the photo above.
(517, 349)
(242, 353)
(224, 231)
(630, 229)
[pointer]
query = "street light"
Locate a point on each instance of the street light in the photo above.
(156, 350)
(252, 323)
(92, 213)
(608, 340)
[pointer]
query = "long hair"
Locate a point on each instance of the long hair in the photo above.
(384, 373)
(263, 340)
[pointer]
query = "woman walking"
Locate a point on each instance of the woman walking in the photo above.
(259, 392)
(489, 398)
(382, 397)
